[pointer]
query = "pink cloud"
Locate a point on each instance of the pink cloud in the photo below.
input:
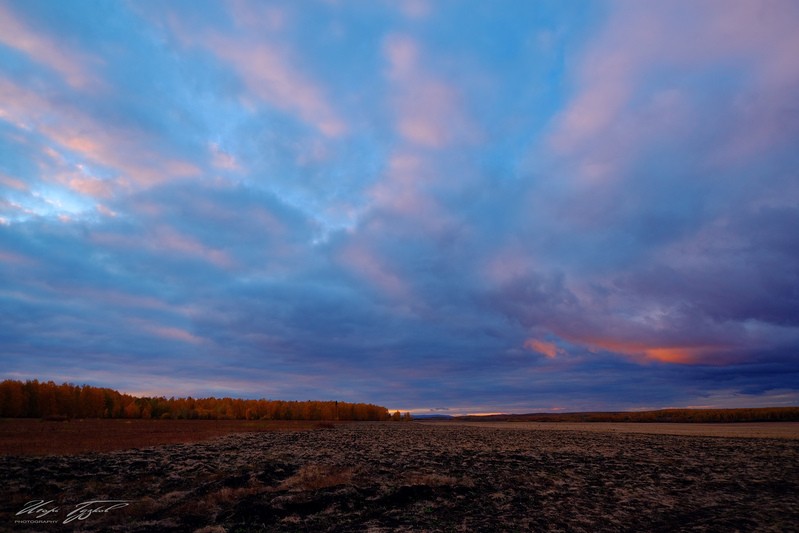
(367, 264)
(429, 124)
(547, 349)
(429, 111)
(507, 264)
(762, 37)
(222, 159)
(12, 183)
(15, 259)
(258, 15)
(266, 72)
(93, 187)
(269, 70)
(105, 211)
(404, 190)
(172, 333)
(72, 65)
(402, 53)
(166, 241)
(762, 33)
(415, 9)
(639, 38)
(400, 190)
(172, 241)
(113, 148)
(110, 299)
(592, 111)
(137, 160)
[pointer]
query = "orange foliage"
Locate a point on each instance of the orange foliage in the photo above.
(34, 399)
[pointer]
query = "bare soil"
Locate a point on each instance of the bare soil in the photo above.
(419, 477)
(759, 430)
(25, 436)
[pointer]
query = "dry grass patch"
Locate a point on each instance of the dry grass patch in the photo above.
(318, 476)
(433, 479)
(430, 480)
(227, 495)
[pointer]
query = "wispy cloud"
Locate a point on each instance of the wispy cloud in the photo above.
(428, 109)
(547, 349)
(75, 66)
(269, 70)
(130, 158)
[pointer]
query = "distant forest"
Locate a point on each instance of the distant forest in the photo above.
(35, 399)
(754, 414)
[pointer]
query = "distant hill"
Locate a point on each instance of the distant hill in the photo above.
(432, 417)
(755, 414)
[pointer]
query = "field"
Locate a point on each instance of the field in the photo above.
(388, 476)
(766, 430)
(26, 436)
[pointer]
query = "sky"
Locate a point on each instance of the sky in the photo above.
(437, 206)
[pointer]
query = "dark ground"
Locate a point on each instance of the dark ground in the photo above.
(31, 436)
(419, 477)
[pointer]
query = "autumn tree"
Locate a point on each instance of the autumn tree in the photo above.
(45, 399)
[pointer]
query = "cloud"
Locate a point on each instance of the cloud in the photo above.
(636, 55)
(90, 186)
(415, 9)
(404, 188)
(13, 183)
(268, 69)
(268, 76)
(69, 129)
(490, 210)
(258, 16)
(173, 333)
(223, 160)
(372, 268)
(544, 348)
(75, 66)
(633, 188)
(429, 112)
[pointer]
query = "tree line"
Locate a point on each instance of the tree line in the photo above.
(35, 399)
(753, 414)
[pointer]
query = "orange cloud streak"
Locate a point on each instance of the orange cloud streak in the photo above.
(667, 354)
(547, 349)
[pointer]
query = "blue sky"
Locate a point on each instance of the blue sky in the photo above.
(466, 206)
